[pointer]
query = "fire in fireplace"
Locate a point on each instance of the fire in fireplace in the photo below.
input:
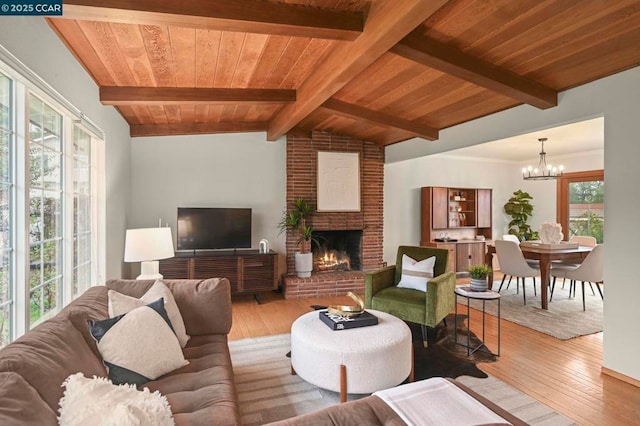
(337, 251)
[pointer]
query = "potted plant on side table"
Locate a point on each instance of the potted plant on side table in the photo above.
(479, 275)
(295, 220)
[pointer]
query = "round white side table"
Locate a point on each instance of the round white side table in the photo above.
(356, 360)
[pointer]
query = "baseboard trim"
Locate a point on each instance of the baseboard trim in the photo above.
(620, 376)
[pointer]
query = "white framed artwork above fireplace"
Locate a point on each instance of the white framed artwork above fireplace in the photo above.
(338, 181)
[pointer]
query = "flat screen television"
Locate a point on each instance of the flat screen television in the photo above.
(208, 228)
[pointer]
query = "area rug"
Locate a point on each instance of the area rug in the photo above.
(444, 357)
(267, 391)
(564, 319)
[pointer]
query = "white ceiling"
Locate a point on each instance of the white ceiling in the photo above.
(562, 141)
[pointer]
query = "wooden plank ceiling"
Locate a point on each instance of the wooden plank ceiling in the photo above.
(379, 70)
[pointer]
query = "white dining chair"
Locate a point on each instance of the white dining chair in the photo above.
(585, 241)
(590, 270)
(512, 262)
(532, 263)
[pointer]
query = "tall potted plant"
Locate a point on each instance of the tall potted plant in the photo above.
(295, 220)
(520, 209)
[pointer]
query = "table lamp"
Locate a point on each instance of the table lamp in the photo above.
(148, 245)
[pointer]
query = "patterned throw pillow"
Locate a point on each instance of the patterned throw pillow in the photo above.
(121, 304)
(416, 275)
(138, 346)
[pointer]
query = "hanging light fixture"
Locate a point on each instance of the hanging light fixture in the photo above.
(544, 171)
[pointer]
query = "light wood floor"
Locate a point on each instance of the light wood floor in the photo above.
(565, 375)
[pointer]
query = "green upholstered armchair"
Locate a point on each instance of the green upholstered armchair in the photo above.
(428, 309)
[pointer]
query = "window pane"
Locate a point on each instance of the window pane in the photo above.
(586, 209)
(35, 166)
(52, 128)
(82, 210)
(50, 295)
(52, 215)
(35, 216)
(35, 119)
(83, 214)
(5, 156)
(5, 277)
(5, 102)
(81, 145)
(51, 258)
(5, 216)
(35, 305)
(51, 175)
(35, 266)
(45, 204)
(6, 180)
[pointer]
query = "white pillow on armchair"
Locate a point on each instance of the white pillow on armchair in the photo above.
(416, 274)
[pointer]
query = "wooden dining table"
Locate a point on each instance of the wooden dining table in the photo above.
(544, 256)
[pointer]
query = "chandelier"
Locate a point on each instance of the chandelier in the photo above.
(544, 171)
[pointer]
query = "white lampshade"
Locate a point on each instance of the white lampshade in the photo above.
(148, 245)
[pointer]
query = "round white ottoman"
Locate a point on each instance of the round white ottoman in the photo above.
(357, 360)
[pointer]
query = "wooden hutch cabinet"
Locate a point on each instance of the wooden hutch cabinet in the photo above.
(247, 271)
(459, 220)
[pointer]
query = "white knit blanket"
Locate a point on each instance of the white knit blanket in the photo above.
(98, 402)
(437, 401)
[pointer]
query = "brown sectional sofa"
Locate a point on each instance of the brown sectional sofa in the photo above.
(33, 368)
(373, 411)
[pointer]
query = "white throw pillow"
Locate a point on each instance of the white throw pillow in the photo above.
(99, 402)
(416, 275)
(121, 304)
(138, 346)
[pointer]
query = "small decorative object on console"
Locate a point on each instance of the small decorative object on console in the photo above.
(339, 322)
(348, 311)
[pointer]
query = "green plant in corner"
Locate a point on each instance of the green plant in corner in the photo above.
(520, 209)
(479, 271)
(296, 219)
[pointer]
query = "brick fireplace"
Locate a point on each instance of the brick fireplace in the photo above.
(302, 154)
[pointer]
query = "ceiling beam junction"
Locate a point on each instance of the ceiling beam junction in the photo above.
(423, 50)
(251, 16)
(358, 112)
(386, 25)
(133, 95)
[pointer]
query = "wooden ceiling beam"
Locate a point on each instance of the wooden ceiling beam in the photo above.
(386, 25)
(418, 48)
(250, 16)
(138, 130)
(120, 95)
(360, 113)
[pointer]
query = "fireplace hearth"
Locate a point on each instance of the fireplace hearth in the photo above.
(337, 251)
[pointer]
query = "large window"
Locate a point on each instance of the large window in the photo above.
(45, 209)
(581, 204)
(48, 200)
(6, 185)
(82, 211)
